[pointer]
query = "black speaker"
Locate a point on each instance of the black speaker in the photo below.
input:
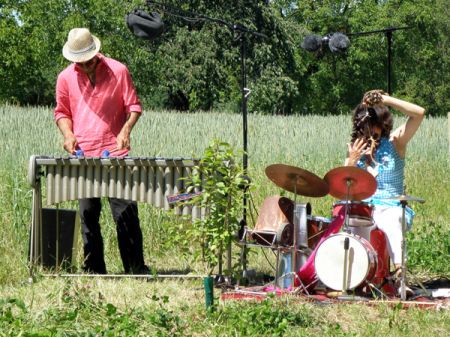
(60, 228)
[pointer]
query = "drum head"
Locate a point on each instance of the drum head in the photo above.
(329, 261)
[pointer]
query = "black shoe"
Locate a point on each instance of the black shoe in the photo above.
(143, 270)
(89, 270)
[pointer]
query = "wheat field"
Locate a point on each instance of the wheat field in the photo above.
(61, 307)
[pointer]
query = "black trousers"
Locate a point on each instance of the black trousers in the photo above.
(129, 235)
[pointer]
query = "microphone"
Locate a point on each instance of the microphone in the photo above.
(338, 43)
(312, 43)
(147, 26)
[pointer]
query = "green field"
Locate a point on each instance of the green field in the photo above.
(126, 307)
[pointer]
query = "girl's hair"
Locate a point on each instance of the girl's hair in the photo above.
(365, 118)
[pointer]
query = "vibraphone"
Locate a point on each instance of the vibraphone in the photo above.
(141, 179)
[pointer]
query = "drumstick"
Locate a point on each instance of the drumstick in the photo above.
(344, 279)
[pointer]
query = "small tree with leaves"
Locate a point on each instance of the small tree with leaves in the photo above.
(222, 183)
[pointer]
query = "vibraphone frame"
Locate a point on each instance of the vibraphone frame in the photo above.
(141, 179)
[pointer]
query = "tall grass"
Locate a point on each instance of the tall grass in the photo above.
(314, 143)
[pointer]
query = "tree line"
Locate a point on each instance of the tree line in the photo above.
(196, 64)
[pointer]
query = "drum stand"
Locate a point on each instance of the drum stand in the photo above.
(403, 271)
(346, 241)
(303, 182)
(300, 221)
(403, 199)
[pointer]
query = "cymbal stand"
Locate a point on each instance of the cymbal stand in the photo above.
(403, 271)
(349, 183)
(298, 221)
(294, 241)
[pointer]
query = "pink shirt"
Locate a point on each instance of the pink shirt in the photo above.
(98, 113)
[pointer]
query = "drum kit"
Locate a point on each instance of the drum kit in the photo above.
(342, 261)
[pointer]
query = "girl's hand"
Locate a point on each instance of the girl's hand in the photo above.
(373, 97)
(355, 151)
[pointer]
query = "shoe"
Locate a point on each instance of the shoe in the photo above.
(397, 277)
(398, 285)
(143, 270)
(408, 291)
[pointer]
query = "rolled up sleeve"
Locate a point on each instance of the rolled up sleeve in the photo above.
(130, 97)
(62, 109)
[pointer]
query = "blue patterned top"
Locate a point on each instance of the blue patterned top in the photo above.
(390, 177)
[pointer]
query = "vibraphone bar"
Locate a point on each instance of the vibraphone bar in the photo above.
(141, 179)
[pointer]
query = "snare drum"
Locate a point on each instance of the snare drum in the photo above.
(329, 261)
(360, 213)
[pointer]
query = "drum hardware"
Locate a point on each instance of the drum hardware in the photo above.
(403, 199)
(345, 261)
(274, 230)
(297, 181)
(359, 213)
(406, 198)
(273, 226)
(350, 183)
(285, 276)
(316, 228)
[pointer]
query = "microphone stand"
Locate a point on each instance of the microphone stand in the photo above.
(245, 92)
(388, 32)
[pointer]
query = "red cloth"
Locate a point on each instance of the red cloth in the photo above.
(307, 272)
(98, 113)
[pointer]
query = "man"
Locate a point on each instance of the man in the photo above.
(96, 109)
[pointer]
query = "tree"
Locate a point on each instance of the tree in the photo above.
(335, 83)
(195, 64)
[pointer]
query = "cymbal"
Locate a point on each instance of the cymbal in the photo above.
(405, 197)
(297, 180)
(361, 184)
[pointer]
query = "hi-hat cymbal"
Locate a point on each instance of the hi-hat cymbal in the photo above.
(405, 197)
(297, 180)
(350, 183)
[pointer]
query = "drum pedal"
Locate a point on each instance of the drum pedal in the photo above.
(352, 298)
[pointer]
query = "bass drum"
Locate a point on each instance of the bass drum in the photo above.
(329, 261)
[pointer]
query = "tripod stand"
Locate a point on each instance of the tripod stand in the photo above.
(403, 199)
(241, 32)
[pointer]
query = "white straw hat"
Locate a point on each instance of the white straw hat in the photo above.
(81, 45)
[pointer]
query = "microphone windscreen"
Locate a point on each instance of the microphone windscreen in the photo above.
(338, 43)
(312, 42)
(147, 26)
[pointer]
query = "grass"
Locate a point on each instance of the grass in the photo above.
(126, 307)
(59, 307)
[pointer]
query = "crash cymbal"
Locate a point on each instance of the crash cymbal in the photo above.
(350, 183)
(297, 180)
(405, 197)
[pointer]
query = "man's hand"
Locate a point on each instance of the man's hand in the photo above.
(123, 139)
(70, 143)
